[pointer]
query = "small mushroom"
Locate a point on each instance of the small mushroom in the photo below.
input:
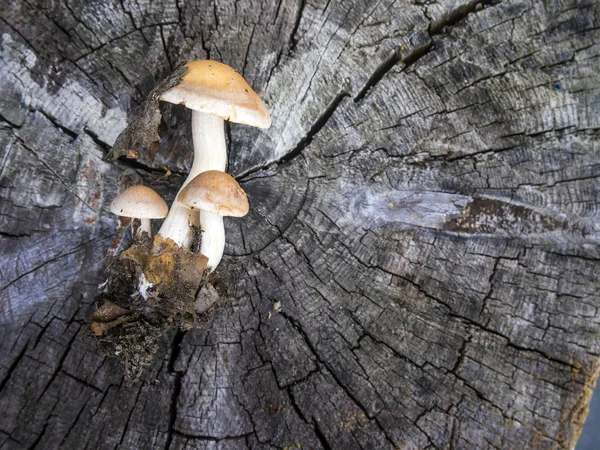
(140, 202)
(215, 92)
(215, 194)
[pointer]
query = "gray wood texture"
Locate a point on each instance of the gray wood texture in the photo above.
(425, 209)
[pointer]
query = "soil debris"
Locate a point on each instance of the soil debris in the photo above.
(151, 286)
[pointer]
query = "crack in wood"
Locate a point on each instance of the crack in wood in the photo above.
(177, 384)
(53, 172)
(302, 143)
(410, 58)
(76, 249)
(13, 366)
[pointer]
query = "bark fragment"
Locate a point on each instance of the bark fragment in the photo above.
(141, 132)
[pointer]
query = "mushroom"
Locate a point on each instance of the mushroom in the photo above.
(216, 194)
(140, 202)
(215, 92)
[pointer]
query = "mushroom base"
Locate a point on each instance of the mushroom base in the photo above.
(130, 326)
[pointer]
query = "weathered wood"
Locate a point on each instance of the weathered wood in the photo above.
(424, 208)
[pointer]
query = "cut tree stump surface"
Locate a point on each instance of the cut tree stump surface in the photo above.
(425, 208)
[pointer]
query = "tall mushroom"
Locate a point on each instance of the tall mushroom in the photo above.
(215, 92)
(140, 202)
(215, 194)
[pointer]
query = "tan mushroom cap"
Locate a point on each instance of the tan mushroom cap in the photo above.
(140, 202)
(215, 88)
(216, 192)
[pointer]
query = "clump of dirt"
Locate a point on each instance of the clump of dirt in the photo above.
(150, 287)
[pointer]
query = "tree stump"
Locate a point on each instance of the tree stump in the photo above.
(419, 269)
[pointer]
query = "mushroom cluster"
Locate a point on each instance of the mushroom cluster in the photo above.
(215, 93)
(158, 281)
(155, 282)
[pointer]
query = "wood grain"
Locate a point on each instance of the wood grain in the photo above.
(425, 208)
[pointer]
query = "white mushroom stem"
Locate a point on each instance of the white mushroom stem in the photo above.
(210, 153)
(144, 226)
(213, 238)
